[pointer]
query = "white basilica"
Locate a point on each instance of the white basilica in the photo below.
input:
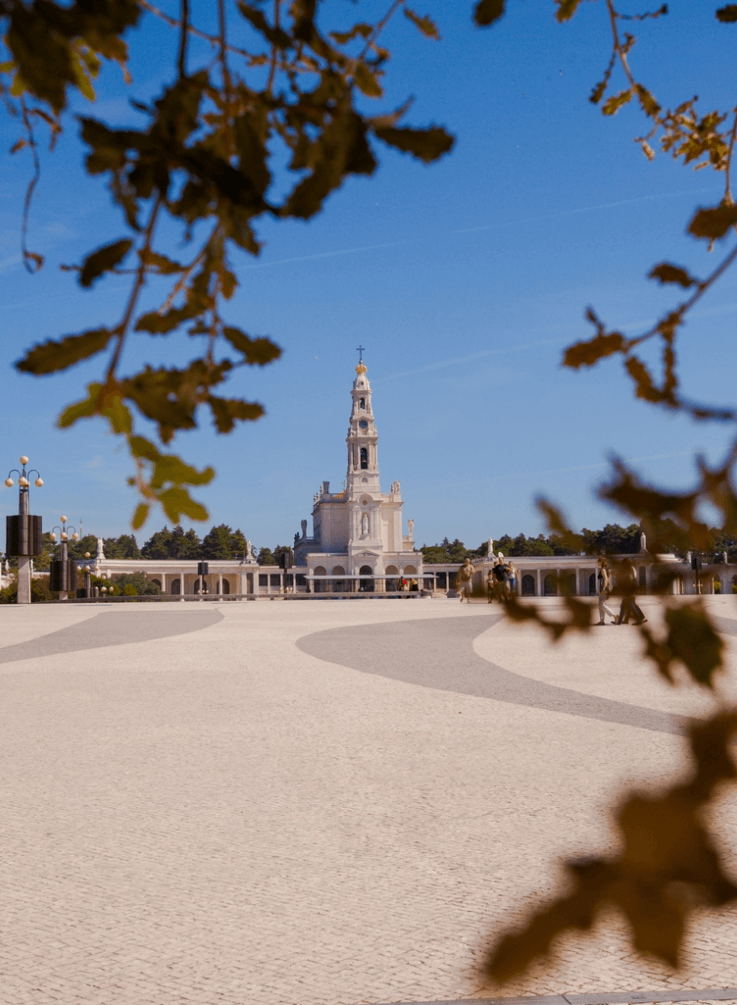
(357, 540)
(358, 546)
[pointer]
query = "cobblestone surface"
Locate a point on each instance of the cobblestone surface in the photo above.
(200, 811)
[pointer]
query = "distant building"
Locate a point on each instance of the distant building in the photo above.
(358, 538)
(358, 545)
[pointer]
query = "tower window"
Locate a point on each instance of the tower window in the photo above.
(361, 402)
(364, 458)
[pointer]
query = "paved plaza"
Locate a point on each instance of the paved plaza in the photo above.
(320, 802)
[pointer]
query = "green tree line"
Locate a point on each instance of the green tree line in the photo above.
(220, 543)
(611, 540)
(223, 543)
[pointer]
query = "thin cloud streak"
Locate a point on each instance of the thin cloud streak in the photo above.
(408, 241)
(441, 364)
(586, 209)
(326, 254)
(472, 230)
(719, 310)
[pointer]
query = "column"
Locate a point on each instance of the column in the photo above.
(182, 585)
(24, 579)
(538, 583)
(163, 582)
(220, 584)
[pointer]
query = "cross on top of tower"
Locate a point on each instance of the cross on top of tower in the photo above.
(361, 368)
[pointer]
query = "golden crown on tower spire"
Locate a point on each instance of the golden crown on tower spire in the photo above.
(361, 368)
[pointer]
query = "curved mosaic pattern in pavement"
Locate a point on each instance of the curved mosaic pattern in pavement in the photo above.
(440, 654)
(725, 626)
(105, 629)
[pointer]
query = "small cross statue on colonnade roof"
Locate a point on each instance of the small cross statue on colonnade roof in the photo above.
(361, 350)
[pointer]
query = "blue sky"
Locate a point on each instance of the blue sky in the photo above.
(465, 280)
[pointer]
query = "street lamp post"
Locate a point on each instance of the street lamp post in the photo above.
(87, 569)
(24, 538)
(60, 574)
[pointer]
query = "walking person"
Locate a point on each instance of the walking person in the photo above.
(512, 578)
(500, 575)
(604, 584)
(464, 582)
(627, 587)
(490, 585)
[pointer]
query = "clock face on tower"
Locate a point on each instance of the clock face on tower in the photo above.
(363, 424)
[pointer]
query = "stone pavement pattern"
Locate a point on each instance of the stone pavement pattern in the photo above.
(287, 804)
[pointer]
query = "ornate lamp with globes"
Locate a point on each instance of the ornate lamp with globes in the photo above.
(62, 577)
(24, 538)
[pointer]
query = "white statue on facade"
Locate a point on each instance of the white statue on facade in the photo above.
(395, 488)
(411, 528)
(643, 541)
(303, 525)
(250, 557)
(100, 556)
(364, 525)
(490, 548)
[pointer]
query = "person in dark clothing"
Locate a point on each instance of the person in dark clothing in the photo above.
(627, 588)
(501, 574)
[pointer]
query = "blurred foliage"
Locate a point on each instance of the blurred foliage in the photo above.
(667, 869)
(236, 136)
(669, 865)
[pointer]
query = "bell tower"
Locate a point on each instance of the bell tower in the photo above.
(358, 538)
(362, 439)
(363, 489)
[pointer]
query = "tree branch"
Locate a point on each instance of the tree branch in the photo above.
(122, 328)
(31, 261)
(175, 23)
(274, 50)
(728, 168)
(183, 38)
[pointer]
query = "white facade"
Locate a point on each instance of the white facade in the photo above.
(358, 533)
